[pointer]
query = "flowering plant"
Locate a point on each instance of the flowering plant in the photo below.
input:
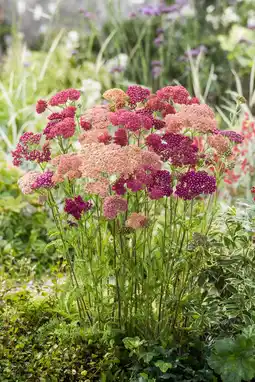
(241, 178)
(132, 185)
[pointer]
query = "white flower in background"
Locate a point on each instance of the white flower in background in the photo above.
(187, 11)
(210, 9)
(120, 61)
(214, 20)
(229, 16)
(38, 13)
(136, 2)
(73, 36)
(43, 28)
(72, 40)
(92, 91)
(52, 7)
(21, 6)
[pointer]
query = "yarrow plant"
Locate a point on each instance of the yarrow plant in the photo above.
(240, 179)
(129, 183)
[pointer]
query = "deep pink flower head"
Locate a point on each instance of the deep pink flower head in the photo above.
(121, 137)
(176, 148)
(193, 184)
(105, 138)
(63, 96)
(27, 150)
(137, 94)
(232, 136)
(131, 120)
(193, 100)
(156, 104)
(113, 205)
(134, 184)
(119, 186)
(85, 125)
(77, 206)
(64, 128)
(43, 180)
(178, 94)
(41, 106)
(160, 185)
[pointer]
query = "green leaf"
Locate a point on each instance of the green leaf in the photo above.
(163, 366)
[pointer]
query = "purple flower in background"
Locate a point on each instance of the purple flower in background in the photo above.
(156, 69)
(77, 206)
(165, 9)
(160, 31)
(196, 51)
(193, 184)
(87, 14)
(117, 69)
(150, 10)
(251, 23)
(159, 40)
(156, 63)
(132, 15)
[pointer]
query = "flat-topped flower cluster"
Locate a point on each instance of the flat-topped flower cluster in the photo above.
(136, 142)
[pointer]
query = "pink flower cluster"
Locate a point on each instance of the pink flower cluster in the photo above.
(61, 124)
(113, 205)
(132, 121)
(149, 142)
(136, 220)
(34, 180)
(65, 95)
(27, 150)
(197, 118)
(137, 94)
(67, 167)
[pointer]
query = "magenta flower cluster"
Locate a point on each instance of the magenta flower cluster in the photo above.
(193, 184)
(77, 206)
(176, 148)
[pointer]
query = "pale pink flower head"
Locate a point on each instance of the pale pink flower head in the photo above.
(117, 97)
(196, 117)
(95, 118)
(200, 110)
(94, 136)
(136, 221)
(174, 123)
(26, 182)
(113, 205)
(219, 143)
(99, 187)
(112, 159)
(67, 167)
